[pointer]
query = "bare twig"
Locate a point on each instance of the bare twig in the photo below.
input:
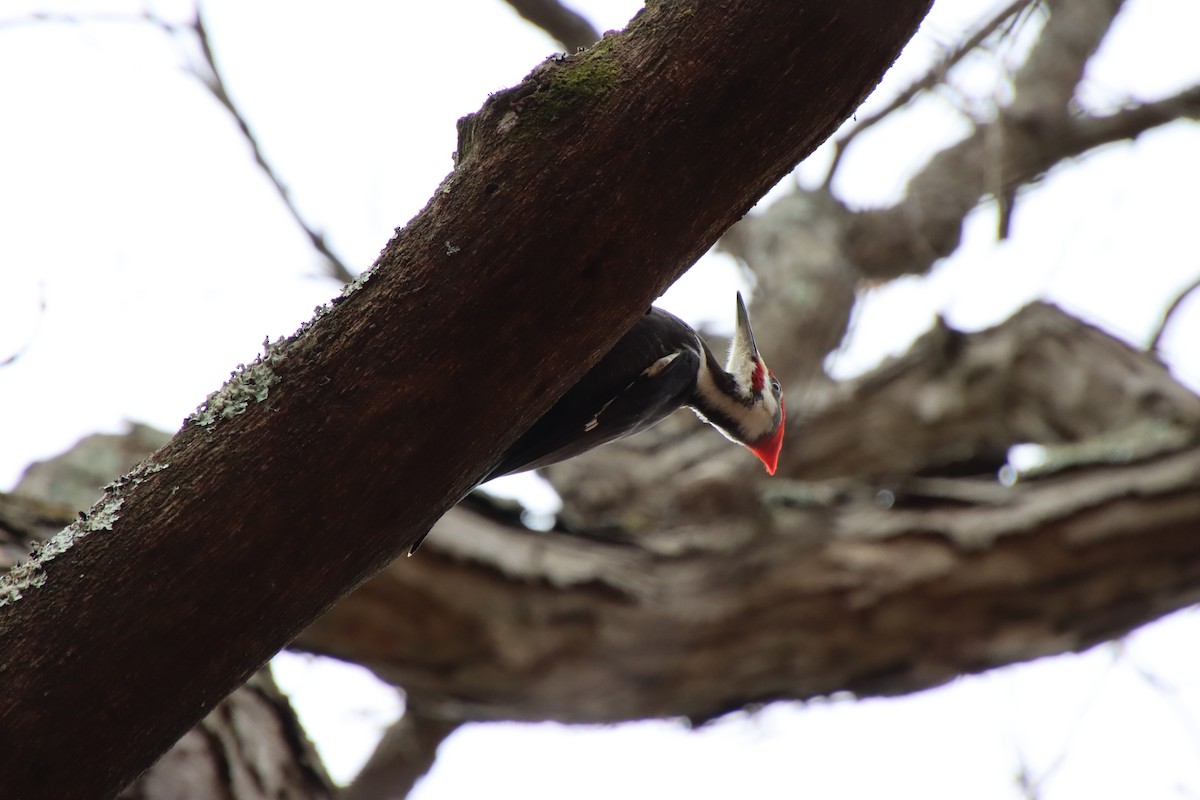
(1170, 692)
(20, 351)
(936, 75)
(567, 26)
(212, 80)
(1132, 121)
(1039, 130)
(215, 83)
(1028, 785)
(1156, 339)
(1031, 784)
(43, 17)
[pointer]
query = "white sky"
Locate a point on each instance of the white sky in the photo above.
(129, 204)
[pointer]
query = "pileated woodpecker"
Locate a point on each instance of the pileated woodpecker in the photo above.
(656, 368)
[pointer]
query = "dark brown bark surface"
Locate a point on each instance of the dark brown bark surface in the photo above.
(251, 746)
(324, 460)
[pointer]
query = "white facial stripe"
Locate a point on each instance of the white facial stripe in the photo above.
(740, 364)
(755, 420)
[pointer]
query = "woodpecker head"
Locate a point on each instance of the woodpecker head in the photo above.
(762, 422)
(746, 402)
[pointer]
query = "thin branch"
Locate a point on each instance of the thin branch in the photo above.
(936, 75)
(567, 26)
(1156, 339)
(906, 239)
(20, 351)
(1131, 122)
(1038, 130)
(1045, 85)
(215, 83)
(42, 17)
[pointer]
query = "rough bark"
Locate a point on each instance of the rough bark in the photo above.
(251, 746)
(280, 495)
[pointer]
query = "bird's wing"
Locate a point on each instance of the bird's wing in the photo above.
(575, 424)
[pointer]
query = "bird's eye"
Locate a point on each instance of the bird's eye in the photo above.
(775, 387)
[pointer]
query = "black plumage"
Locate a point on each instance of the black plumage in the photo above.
(578, 422)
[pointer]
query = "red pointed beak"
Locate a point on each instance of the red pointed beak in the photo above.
(767, 449)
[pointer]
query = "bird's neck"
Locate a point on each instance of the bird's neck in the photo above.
(718, 397)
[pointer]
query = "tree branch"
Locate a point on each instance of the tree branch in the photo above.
(403, 756)
(1183, 295)
(1131, 122)
(214, 81)
(1045, 85)
(1031, 136)
(570, 28)
(933, 77)
(908, 238)
(314, 467)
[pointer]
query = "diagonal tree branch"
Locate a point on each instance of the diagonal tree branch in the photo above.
(249, 746)
(1045, 85)
(318, 464)
(906, 239)
(1025, 140)
(1129, 123)
(1183, 295)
